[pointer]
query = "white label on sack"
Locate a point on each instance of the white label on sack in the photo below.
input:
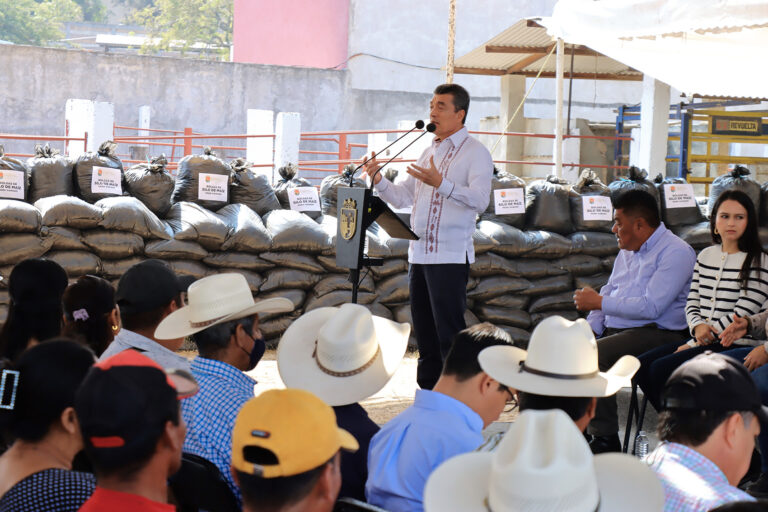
(212, 187)
(304, 199)
(597, 208)
(679, 195)
(508, 200)
(12, 184)
(106, 180)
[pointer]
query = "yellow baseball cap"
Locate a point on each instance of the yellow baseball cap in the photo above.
(285, 432)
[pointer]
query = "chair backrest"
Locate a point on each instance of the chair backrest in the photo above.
(198, 485)
(353, 505)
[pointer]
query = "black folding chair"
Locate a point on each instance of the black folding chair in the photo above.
(199, 486)
(634, 410)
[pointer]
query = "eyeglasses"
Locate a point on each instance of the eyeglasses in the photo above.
(512, 402)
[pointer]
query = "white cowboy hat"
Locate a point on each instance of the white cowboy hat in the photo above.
(213, 300)
(561, 361)
(543, 464)
(343, 355)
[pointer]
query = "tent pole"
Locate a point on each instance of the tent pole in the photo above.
(451, 41)
(559, 109)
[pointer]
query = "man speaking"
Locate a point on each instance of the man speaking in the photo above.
(448, 186)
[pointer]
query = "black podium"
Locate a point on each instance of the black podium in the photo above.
(358, 208)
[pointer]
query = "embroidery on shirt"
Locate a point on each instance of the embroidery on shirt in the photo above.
(436, 200)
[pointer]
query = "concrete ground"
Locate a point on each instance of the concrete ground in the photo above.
(398, 395)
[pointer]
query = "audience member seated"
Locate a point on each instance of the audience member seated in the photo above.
(543, 464)
(344, 355)
(643, 304)
(730, 279)
(35, 287)
(710, 415)
(37, 410)
(147, 293)
(223, 320)
(441, 423)
(90, 313)
(743, 506)
(130, 419)
(559, 370)
(285, 452)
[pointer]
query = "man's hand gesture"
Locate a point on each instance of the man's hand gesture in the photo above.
(587, 299)
(370, 166)
(428, 175)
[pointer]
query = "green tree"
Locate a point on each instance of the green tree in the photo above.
(32, 22)
(179, 24)
(93, 10)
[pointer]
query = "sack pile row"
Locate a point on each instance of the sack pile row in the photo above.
(527, 265)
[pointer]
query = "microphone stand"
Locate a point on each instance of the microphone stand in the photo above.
(417, 126)
(430, 129)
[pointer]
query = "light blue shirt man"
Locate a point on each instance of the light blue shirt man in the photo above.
(413, 444)
(647, 286)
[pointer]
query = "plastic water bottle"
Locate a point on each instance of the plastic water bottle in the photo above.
(641, 444)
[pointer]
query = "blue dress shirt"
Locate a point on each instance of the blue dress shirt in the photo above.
(648, 286)
(413, 444)
(210, 414)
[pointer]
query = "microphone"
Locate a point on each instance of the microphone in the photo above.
(417, 126)
(430, 128)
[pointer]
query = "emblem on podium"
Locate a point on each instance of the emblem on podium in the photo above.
(348, 219)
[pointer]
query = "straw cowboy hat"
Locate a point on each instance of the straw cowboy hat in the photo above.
(543, 464)
(561, 361)
(343, 355)
(213, 300)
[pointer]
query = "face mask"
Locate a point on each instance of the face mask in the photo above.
(259, 347)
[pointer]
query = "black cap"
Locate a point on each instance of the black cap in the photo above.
(149, 285)
(713, 382)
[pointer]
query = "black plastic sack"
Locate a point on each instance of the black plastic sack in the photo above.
(247, 231)
(547, 206)
(328, 186)
(675, 216)
(15, 184)
(504, 181)
(556, 302)
(594, 243)
(595, 282)
(68, 211)
(274, 328)
(114, 269)
(763, 212)
(289, 278)
(251, 188)
(19, 217)
(543, 244)
(336, 298)
(509, 301)
(483, 243)
(388, 268)
(174, 250)
(520, 337)
(21, 246)
(375, 247)
(86, 176)
(549, 285)
(697, 236)
(294, 231)
(295, 260)
(187, 187)
(296, 296)
(495, 286)
(581, 264)
(497, 315)
(194, 269)
(50, 174)
(130, 214)
(582, 199)
(152, 184)
(511, 241)
(241, 260)
(737, 179)
(76, 263)
(335, 282)
(393, 290)
(113, 245)
(193, 222)
(289, 179)
(636, 179)
(64, 239)
(253, 279)
(493, 264)
(607, 263)
(329, 264)
(568, 314)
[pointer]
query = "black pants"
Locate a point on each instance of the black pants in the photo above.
(438, 302)
(616, 343)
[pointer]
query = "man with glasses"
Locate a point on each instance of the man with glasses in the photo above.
(443, 422)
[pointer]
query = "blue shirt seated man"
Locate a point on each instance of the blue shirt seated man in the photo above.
(643, 304)
(441, 423)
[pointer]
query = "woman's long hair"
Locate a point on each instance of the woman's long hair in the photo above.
(749, 241)
(87, 305)
(35, 287)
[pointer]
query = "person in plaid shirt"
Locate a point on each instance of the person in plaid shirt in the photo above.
(711, 413)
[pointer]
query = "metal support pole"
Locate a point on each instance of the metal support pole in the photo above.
(685, 137)
(570, 93)
(451, 41)
(559, 110)
(187, 141)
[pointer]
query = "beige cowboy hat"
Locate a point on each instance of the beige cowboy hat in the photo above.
(343, 355)
(561, 361)
(213, 300)
(543, 464)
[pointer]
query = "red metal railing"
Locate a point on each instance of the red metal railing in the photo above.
(40, 138)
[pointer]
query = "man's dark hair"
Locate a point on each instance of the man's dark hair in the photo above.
(575, 407)
(215, 338)
(693, 427)
(460, 97)
(743, 506)
(461, 361)
(269, 494)
(639, 203)
(147, 319)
